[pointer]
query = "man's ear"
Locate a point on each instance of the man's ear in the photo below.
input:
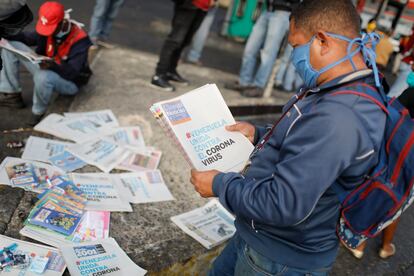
(324, 42)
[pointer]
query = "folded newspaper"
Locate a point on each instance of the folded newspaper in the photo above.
(30, 56)
(196, 121)
(210, 225)
(43, 260)
(143, 187)
(101, 257)
(102, 192)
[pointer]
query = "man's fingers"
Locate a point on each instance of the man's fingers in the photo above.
(235, 127)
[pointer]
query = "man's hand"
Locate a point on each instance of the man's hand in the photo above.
(244, 128)
(203, 182)
(46, 64)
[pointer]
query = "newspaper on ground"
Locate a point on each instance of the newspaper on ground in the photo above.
(100, 152)
(50, 125)
(128, 136)
(94, 226)
(102, 192)
(41, 149)
(44, 260)
(66, 161)
(102, 257)
(105, 117)
(141, 160)
(30, 56)
(27, 174)
(143, 187)
(78, 128)
(210, 225)
(196, 122)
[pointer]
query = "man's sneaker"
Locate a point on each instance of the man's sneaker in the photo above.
(174, 76)
(14, 100)
(255, 92)
(161, 81)
(236, 86)
(34, 119)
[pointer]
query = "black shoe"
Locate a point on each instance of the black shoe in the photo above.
(161, 81)
(236, 86)
(34, 120)
(174, 76)
(11, 100)
(255, 92)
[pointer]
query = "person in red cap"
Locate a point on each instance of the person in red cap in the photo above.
(64, 44)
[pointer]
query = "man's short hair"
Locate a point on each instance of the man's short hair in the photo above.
(335, 16)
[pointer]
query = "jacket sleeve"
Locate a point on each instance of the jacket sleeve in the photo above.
(318, 148)
(260, 133)
(28, 38)
(71, 68)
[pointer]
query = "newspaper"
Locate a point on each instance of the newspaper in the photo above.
(30, 56)
(102, 257)
(41, 149)
(76, 128)
(101, 191)
(143, 187)
(196, 122)
(105, 117)
(141, 160)
(210, 225)
(94, 226)
(55, 263)
(100, 152)
(34, 179)
(128, 136)
(50, 125)
(66, 161)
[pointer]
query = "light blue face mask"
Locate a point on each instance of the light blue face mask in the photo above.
(301, 57)
(62, 33)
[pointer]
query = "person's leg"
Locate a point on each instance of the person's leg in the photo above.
(278, 27)
(400, 83)
(388, 248)
(289, 83)
(225, 263)
(45, 82)
(251, 263)
(111, 13)
(9, 75)
(252, 48)
(280, 76)
(194, 24)
(98, 19)
(180, 24)
(200, 37)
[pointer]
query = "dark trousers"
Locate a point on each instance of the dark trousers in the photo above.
(184, 25)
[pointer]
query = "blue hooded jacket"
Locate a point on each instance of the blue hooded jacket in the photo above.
(284, 204)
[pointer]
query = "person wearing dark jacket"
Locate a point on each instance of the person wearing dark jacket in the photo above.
(284, 200)
(264, 41)
(187, 18)
(64, 43)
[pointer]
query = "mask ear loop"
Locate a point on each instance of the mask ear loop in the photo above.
(370, 55)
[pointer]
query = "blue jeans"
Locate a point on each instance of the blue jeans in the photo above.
(400, 84)
(286, 76)
(200, 36)
(103, 15)
(266, 38)
(240, 259)
(45, 81)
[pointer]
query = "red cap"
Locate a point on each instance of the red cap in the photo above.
(50, 15)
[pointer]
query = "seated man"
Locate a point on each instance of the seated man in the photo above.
(58, 38)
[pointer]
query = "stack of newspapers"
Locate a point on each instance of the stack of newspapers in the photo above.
(196, 123)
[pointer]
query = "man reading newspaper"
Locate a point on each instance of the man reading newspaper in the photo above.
(286, 209)
(64, 42)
